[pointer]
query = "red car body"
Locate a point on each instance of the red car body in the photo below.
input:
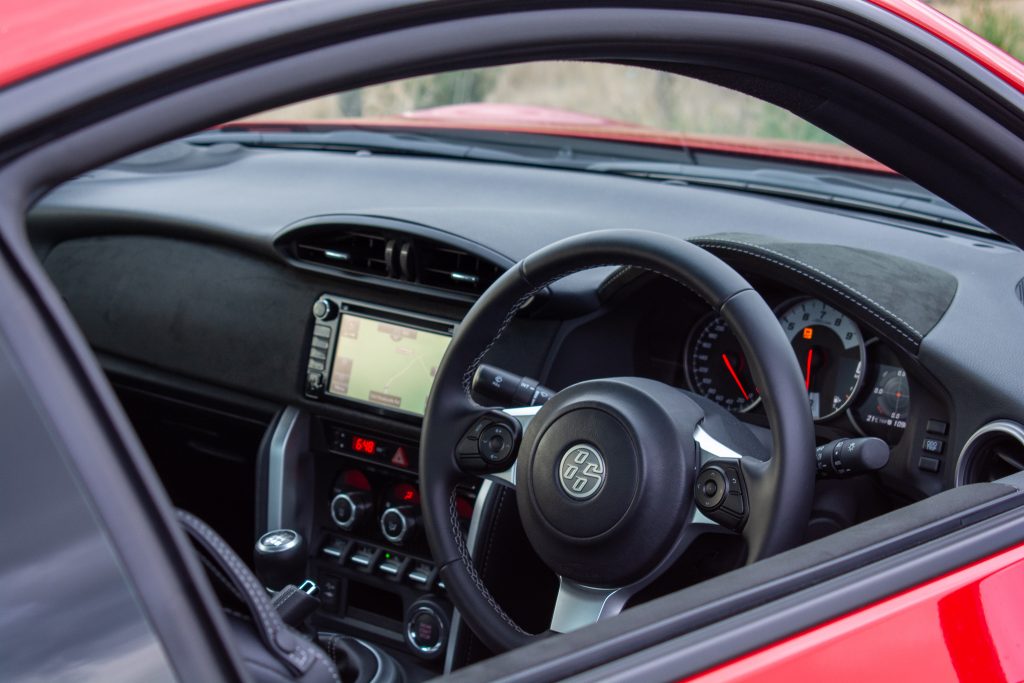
(965, 626)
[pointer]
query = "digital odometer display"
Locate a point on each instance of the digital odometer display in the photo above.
(385, 364)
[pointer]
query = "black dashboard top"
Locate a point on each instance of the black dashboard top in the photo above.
(118, 240)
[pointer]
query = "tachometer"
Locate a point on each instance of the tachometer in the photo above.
(830, 349)
(717, 368)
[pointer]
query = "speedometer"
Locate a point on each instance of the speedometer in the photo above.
(717, 368)
(830, 349)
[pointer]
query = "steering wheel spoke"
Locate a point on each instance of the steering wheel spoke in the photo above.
(577, 605)
(607, 473)
(721, 493)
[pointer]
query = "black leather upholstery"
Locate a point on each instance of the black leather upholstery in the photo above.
(273, 652)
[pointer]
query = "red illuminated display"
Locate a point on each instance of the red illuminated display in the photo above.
(405, 493)
(363, 445)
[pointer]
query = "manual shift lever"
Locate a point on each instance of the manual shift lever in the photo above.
(280, 558)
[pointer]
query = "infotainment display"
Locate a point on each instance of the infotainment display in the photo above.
(385, 363)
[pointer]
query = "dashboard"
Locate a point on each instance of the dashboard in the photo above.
(275, 347)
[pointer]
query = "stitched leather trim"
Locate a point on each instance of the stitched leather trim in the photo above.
(879, 312)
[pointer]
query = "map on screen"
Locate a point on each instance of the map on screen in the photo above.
(385, 364)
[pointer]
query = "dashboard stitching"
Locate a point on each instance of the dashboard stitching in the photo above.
(728, 246)
(471, 570)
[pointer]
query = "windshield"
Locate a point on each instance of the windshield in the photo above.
(571, 96)
(603, 118)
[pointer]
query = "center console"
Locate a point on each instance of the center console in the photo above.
(377, 578)
(348, 476)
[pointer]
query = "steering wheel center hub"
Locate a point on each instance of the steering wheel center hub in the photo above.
(606, 477)
(582, 472)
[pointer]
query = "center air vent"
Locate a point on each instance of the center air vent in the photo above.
(393, 256)
(995, 451)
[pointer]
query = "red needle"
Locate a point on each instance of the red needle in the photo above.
(735, 377)
(810, 357)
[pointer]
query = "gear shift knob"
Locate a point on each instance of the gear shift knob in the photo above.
(280, 558)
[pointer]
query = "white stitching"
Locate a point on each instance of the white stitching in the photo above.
(247, 583)
(471, 570)
(265, 611)
(729, 245)
(212, 568)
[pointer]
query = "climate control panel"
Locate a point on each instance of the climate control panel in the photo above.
(370, 554)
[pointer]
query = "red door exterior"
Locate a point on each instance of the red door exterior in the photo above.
(967, 626)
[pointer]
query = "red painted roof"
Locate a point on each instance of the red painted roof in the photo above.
(974, 46)
(37, 35)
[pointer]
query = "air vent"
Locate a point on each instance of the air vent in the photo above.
(356, 252)
(995, 451)
(394, 256)
(454, 269)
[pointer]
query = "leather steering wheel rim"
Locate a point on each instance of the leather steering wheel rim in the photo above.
(784, 491)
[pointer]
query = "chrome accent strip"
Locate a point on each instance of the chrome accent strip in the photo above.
(577, 605)
(712, 446)
(281, 451)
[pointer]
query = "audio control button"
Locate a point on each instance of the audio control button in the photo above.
(325, 309)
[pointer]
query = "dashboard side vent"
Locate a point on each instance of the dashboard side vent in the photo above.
(993, 452)
(396, 256)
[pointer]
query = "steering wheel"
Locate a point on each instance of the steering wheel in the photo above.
(616, 477)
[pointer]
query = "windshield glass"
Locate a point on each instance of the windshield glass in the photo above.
(602, 118)
(572, 97)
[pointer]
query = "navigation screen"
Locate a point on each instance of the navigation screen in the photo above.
(385, 364)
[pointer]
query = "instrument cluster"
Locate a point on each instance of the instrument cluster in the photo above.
(846, 375)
